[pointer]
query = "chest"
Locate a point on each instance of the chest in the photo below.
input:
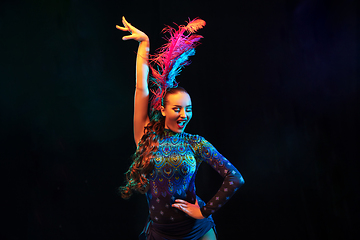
(174, 160)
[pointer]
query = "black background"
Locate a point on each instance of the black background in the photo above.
(274, 87)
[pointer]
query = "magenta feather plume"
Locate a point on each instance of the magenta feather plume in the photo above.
(172, 57)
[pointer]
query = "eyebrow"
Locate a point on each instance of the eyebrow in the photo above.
(181, 106)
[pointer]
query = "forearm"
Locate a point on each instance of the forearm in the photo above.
(232, 182)
(232, 177)
(142, 90)
(142, 67)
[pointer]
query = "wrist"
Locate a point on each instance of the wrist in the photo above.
(144, 39)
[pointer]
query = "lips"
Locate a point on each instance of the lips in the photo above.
(181, 123)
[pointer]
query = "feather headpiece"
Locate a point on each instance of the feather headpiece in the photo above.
(172, 57)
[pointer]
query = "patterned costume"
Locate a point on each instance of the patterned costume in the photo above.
(173, 177)
(179, 155)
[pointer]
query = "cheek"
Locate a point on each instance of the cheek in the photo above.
(171, 116)
(190, 115)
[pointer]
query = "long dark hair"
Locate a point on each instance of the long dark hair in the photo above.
(142, 165)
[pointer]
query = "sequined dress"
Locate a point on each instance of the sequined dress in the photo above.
(173, 177)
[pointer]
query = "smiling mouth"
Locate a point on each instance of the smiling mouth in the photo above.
(181, 123)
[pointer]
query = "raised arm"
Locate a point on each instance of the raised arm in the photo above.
(141, 100)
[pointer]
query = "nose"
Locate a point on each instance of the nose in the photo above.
(183, 113)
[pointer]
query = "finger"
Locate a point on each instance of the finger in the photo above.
(184, 209)
(128, 37)
(176, 205)
(126, 23)
(122, 28)
(181, 201)
(124, 20)
(180, 206)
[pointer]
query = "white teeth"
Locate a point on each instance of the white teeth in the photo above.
(181, 123)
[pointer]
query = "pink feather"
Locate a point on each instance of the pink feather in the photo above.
(172, 54)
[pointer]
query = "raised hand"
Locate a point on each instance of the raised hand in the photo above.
(193, 210)
(136, 34)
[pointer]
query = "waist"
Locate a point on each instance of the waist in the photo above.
(167, 215)
(187, 229)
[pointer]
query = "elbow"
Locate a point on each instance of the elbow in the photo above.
(239, 181)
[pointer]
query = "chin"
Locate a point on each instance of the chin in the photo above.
(177, 130)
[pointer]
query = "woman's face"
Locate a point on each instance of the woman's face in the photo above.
(177, 111)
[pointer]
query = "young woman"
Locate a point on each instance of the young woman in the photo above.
(167, 159)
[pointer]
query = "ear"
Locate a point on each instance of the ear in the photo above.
(162, 111)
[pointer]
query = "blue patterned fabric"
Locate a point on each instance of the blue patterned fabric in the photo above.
(173, 177)
(190, 229)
